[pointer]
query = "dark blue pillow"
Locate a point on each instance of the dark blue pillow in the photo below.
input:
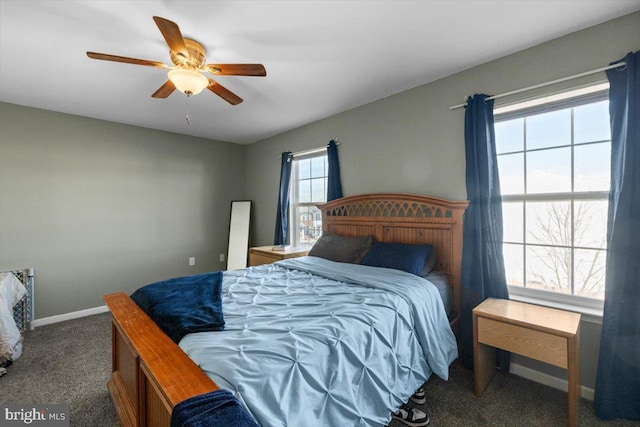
(409, 258)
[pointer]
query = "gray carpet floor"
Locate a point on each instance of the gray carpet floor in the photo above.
(70, 362)
(67, 362)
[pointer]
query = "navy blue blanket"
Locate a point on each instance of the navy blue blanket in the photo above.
(184, 305)
(217, 408)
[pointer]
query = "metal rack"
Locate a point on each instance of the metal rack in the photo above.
(23, 312)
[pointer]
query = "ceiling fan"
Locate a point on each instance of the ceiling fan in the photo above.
(189, 59)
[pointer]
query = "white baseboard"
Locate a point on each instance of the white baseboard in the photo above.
(68, 316)
(548, 380)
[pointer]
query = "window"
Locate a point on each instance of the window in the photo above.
(554, 167)
(308, 188)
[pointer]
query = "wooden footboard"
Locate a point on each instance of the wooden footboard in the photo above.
(150, 374)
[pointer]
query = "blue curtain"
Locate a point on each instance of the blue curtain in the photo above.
(482, 260)
(334, 185)
(617, 393)
(282, 215)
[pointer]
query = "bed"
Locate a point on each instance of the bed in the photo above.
(145, 384)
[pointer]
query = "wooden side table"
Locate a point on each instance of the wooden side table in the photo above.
(541, 333)
(267, 254)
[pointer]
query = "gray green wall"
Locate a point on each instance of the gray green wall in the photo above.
(411, 142)
(98, 207)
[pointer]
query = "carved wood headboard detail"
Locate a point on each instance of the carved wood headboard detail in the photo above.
(404, 218)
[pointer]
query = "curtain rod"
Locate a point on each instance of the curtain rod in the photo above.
(310, 151)
(563, 79)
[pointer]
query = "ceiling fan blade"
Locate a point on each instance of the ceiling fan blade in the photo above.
(165, 90)
(115, 58)
(237, 69)
(171, 33)
(223, 92)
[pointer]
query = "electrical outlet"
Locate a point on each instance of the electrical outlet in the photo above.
(192, 260)
(221, 257)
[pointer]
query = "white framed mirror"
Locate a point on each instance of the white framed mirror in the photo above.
(239, 234)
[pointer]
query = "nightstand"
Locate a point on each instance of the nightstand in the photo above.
(541, 333)
(267, 254)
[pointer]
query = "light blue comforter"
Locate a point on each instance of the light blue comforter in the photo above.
(312, 342)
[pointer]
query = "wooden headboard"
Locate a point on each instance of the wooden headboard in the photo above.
(405, 218)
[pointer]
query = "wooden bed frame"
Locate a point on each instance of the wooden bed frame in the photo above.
(151, 374)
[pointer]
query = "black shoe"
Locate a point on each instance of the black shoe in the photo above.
(419, 397)
(411, 416)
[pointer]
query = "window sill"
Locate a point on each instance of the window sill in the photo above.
(589, 314)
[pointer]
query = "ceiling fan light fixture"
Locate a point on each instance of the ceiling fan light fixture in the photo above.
(189, 60)
(190, 82)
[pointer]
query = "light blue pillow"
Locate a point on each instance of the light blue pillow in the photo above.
(400, 256)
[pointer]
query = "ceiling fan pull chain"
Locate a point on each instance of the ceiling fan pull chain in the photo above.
(187, 118)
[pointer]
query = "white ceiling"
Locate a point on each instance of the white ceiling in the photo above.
(322, 57)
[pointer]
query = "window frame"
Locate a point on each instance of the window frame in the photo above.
(591, 307)
(294, 223)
